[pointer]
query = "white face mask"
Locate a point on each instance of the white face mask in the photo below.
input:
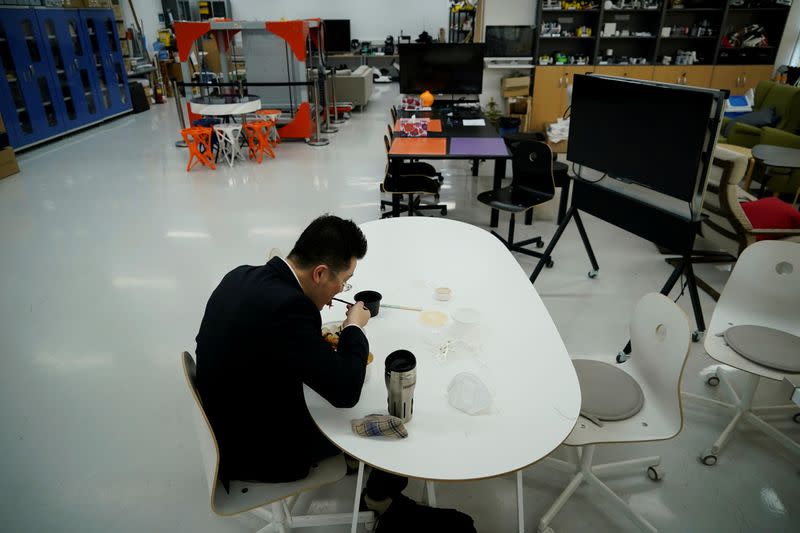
(468, 393)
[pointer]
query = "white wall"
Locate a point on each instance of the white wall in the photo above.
(370, 20)
(788, 51)
(508, 13)
(147, 11)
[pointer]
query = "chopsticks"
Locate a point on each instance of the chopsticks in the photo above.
(389, 306)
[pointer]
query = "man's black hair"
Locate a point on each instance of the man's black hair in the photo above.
(331, 241)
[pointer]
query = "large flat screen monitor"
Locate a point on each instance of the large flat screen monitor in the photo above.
(509, 41)
(643, 132)
(337, 35)
(442, 68)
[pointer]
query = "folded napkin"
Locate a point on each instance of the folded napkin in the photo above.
(379, 426)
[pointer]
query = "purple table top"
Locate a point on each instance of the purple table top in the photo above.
(478, 146)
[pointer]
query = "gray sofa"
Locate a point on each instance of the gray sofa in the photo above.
(354, 86)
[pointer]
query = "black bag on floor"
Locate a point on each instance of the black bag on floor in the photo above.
(405, 515)
(139, 99)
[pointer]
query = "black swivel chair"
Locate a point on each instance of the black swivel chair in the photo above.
(393, 111)
(409, 182)
(532, 184)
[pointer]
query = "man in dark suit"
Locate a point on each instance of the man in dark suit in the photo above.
(260, 341)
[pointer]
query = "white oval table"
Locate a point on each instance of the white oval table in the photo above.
(225, 105)
(536, 396)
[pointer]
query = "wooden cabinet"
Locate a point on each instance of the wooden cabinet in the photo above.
(627, 71)
(550, 93)
(738, 79)
(695, 76)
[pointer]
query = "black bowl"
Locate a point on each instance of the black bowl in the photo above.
(371, 299)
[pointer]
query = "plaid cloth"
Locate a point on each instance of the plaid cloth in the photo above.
(379, 426)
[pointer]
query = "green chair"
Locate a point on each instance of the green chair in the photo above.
(786, 101)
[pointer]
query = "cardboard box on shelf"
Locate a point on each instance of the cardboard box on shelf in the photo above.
(98, 3)
(117, 12)
(8, 162)
(516, 86)
(74, 3)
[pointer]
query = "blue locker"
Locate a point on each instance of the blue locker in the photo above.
(109, 66)
(28, 93)
(68, 51)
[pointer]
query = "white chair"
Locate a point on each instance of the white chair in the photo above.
(228, 137)
(272, 502)
(660, 332)
(762, 290)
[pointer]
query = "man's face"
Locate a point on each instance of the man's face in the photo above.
(332, 283)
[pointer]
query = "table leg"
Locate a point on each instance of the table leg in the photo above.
(475, 167)
(431, 493)
(357, 498)
(562, 202)
(499, 174)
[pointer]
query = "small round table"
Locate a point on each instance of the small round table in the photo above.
(226, 105)
(775, 156)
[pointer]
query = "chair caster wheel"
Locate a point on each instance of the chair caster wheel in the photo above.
(622, 357)
(443, 211)
(712, 381)
(708, 458)
(796, 418)
(540, 244)
(592, 274)
(549, 263)
(656, 473)
(696, 336)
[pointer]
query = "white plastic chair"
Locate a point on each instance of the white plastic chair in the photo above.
(272, 502)
(228, 136)
(660, 331)
(762, 290)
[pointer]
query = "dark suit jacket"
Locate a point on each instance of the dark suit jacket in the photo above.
(259, 341)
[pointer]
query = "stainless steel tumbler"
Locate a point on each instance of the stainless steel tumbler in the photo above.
(401, 378)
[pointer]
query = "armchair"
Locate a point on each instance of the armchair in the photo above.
(786, 101)
(725, 224)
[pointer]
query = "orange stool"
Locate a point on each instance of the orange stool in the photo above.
(273, 115)
(198, 140)
(257, 135)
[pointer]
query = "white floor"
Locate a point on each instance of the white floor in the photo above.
(109, 252)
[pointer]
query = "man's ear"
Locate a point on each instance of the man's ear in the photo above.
(319, 273)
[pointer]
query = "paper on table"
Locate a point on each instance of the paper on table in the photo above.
(473, 122)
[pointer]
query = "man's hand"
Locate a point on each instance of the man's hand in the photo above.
(357, 314)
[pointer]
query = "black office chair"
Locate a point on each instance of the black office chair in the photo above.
(532, 184)
(393, 111)
(408, 182)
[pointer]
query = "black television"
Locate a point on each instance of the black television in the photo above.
(441, 68)
(337, 35)
(509, 41)
(652, 134)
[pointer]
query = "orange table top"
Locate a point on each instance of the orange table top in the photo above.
(418, 146)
